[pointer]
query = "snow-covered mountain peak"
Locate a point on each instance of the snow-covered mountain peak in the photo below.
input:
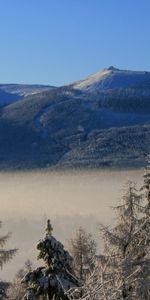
(112, 78)
(95, 79)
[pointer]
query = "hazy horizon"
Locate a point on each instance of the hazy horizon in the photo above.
(69, 199)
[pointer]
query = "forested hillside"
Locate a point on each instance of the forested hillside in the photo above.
(102, 121)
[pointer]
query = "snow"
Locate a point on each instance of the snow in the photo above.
(112, 78)
(95, 78)
(55, 278)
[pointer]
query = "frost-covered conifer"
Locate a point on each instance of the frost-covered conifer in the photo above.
(55, 278)
(5, 256)
(143, 239)
(124, 260)
(82, 247)
(123, 271)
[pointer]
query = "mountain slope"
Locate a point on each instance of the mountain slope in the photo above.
(10, 93)
(102, 121)
(112, 78)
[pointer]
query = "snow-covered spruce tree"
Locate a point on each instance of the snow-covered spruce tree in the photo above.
(83, 248)
(53, 280)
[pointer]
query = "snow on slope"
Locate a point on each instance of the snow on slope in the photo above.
(112, 78)
(24, 89)
(10, 93)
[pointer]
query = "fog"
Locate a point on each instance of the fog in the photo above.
(70, 200)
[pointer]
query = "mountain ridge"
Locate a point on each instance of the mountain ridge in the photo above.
(102, 123)
(10, 92)
(107, 79)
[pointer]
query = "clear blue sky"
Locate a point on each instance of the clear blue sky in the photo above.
(59, 41)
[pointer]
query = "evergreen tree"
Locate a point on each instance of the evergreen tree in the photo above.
(5, 256)
(124, 260)
(53, 280)
(82, 247)
(143, 239)
(123, 271)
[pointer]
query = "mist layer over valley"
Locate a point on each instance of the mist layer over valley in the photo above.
(97, 125)
(69, 199)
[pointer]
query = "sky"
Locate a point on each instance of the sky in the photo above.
(57, 42)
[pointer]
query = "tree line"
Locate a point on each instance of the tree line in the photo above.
(121, 272)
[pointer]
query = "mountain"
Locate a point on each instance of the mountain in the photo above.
(101, 121)
(10, 93)
(112, 78)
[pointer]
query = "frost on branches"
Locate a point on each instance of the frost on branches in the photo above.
(126, 262)
(83, 248)
(16, 290)
(54, 279)
(123, 272)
